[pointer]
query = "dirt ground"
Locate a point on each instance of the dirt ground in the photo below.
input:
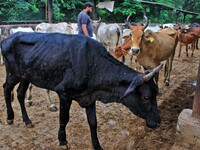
(118, 128)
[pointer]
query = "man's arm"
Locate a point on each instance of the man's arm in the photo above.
(85, 31)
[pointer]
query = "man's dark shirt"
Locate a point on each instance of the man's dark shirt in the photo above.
(83, 18)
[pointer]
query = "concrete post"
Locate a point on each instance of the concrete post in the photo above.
(188, 125)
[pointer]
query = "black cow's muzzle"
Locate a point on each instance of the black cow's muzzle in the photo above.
(153, 125)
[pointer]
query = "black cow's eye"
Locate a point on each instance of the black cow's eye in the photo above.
(146, 100)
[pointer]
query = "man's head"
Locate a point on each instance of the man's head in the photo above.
(88, 7)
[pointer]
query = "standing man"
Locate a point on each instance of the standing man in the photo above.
(84, 23)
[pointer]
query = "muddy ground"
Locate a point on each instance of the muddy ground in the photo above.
(118, 128)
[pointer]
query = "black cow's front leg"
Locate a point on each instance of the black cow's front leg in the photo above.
(21, 92)
(65, 104)
(92, 120)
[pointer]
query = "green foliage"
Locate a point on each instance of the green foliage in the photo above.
(68, 10)
(18, 10)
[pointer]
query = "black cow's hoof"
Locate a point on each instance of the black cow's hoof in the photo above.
(64, 147)
(10, 121)
(98, 148)
(30, 125)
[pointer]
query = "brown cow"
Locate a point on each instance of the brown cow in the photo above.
(123, 50)
(151, 48)
(197, 31)
(185, 39)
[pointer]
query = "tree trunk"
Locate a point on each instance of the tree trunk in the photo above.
(49, 10)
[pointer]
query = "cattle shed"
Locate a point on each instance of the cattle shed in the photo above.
(159, 6)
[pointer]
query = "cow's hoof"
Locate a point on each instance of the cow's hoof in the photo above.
(166, 83)
(31, 125)
(28, 104)
(10, 121)
(64, 145)
(99, 148)
(53, 109)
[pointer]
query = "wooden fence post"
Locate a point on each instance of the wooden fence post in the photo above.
(196, 103)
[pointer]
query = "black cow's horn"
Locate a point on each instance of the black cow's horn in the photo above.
(152, 73)
(139, 79)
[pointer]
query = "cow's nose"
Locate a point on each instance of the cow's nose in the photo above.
(134, 51)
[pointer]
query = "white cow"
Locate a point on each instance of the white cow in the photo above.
(75, 30)
(110, 35)
(74, 27)
(61, 27)
(21, 29)
(29, 101)
(168, 25)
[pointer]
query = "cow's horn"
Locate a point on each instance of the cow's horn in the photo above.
(127, 19)
(127, 22)
(146, 22)
(99, 19)
(152, 73)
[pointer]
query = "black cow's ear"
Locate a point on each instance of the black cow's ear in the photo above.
(138, 80)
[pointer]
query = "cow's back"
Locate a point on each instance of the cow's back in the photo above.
(110, 35)
(161, 46)
(163, 41)
(49, 59)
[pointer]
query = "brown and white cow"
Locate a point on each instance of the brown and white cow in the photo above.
(153, 47)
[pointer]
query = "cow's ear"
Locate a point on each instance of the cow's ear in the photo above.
(146, 38)
(117, 49)
(138, 80)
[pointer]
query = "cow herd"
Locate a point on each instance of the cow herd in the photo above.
(76, 67)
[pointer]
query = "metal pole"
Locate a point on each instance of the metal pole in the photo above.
(196, 103)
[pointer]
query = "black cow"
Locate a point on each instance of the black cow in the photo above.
(76, 68)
